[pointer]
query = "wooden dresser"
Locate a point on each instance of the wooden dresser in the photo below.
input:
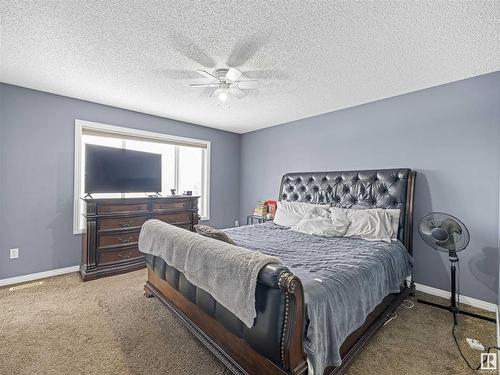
(110, 247)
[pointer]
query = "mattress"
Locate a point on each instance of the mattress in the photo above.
(344, 280)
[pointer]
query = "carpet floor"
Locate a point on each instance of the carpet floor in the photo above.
(65, 326)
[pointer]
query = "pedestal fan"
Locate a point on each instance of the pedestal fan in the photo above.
(446, 233)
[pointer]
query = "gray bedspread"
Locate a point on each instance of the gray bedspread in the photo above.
(344, 280)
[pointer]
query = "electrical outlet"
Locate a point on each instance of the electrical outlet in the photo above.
(14, 253)
(236, 223)
(475, 344)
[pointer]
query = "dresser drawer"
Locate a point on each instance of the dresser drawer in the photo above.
(110, 245)
(114, 256)
(178, 218)
(122, 207)
(179, 205)
(122, 222)
(118, 239)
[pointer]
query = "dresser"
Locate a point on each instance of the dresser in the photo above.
(109, 245)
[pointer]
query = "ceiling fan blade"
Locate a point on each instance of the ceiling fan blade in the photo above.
(267, 74)
(238, 93)
(206, 75)
(208, 92)
(191, 50)
(204, 84)
(246, 48)
(248, 85)
(233, 74)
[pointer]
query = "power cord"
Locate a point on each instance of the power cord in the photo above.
(406, 304)
(391, 318)
(462, 354)
(455, 337)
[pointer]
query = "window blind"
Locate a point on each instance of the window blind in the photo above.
(149, 138)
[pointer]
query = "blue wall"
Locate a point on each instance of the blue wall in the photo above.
(36, 172)
(449, 134)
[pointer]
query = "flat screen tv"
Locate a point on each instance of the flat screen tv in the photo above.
(115, 170)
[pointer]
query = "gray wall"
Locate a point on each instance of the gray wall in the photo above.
(449, 134)
(36, 169)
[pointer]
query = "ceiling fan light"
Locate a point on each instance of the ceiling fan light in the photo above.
(223, 96)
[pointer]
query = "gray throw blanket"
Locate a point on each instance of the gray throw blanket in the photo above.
(228, 272)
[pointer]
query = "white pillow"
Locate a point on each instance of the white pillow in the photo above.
(370, 224)
(394, 216)
(289, 214)
(321, 226)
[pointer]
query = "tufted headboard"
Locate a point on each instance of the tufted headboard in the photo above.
(380, 188)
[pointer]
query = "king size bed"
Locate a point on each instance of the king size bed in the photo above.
(317, 306)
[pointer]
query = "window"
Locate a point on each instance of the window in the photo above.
(185, 163)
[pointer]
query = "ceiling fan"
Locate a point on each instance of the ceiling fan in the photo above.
(226, 83)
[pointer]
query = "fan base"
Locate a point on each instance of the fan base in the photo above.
(221, 73)
(456, 311)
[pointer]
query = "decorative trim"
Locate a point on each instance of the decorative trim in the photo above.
(285, 330)
(282, 284)
(463, 299)
(38, 275)
(293, 358)
(282, 280)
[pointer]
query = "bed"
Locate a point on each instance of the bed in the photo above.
(292, 327)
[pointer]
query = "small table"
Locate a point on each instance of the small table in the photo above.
(259, 219)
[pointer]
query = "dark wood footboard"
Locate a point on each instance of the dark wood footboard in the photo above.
(241, 358)
(238, 356)
(233, 351)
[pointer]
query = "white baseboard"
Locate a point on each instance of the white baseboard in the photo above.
(463, 299)
(38, 275)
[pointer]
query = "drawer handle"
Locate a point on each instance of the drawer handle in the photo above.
(126, 240)
(125, 224)
(124, 256)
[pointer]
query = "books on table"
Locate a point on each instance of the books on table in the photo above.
(260, 209)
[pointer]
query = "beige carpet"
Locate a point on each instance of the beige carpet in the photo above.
(106, 326)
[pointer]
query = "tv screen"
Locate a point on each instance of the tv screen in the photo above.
(115, 170)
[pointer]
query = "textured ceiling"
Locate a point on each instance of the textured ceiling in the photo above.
(311, 57)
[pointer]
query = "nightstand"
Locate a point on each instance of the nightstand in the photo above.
(260, 219)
